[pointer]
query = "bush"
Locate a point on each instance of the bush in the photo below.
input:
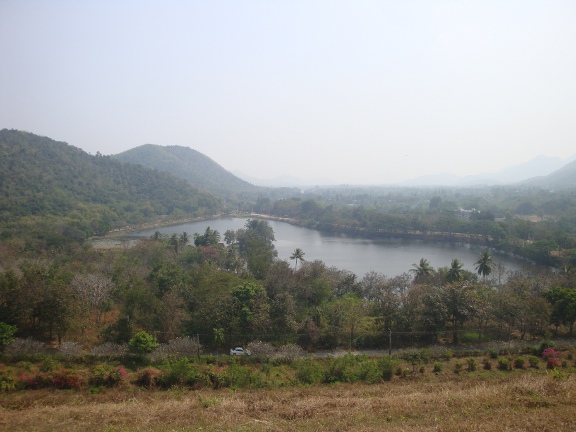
(534, 361)
(6, 334)
(458, 367)
(503, 364)
(105, 376)
(24, 347)
(519, 362)
(147, 378)
(110, 349)
(142, 343)
(291, 351)
(65, 379)
(70, 349)
(553, 363)
(239, 377)
(387, 365)
(472, 365)
(437, 367)
(180, 372)
(7, 382)
(549, 353)
(262, 349)
(178, 348)
(309, 371)
(487, 364)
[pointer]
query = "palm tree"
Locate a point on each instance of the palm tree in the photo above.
(297, 255)
(484, 264)
(423, 270)
(455, 272)
(184, 238)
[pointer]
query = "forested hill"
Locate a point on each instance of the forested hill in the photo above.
(194, 167)
(43, 181)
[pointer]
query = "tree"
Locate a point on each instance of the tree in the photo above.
(455, 272)
(184, 238)
(484, 264)
(257, 247)
(142, 343)
(6, 334)
(218, 337)
(422, 271)
(251, 309)
(298, 254)
(93, 290)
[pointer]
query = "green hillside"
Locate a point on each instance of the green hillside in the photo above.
(192, 166)
(48, 183)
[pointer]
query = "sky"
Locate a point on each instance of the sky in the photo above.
(358, 92)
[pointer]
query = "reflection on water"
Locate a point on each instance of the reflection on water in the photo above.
(359, 255)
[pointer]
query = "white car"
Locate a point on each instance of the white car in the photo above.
(238, 351)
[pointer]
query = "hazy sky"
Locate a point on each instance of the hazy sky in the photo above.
(356, 91)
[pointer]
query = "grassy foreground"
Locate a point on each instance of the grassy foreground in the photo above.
(481, 401)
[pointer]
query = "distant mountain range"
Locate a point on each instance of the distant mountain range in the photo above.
(531, 172)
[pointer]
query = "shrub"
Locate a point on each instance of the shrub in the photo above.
(458, 367)
(503, 364)
(70, 349)
(142, 343)
(519, 362)
(178, 348)
(6, 334)
(553, 363)
(110, 349)
(534, 361)
(437, 367)
(180, 372)
(291, 352)
(48, 364)
(65, 379)
(493, 354)
(472, 364)
(105, 376)
(387, 365)
(549, 353)
(24, 346)
(147, 378)
(239, 377)
(262, 349)
(487, 364)
(7, 382)
(309, 371)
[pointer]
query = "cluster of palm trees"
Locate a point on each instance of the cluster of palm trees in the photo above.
(423, 270)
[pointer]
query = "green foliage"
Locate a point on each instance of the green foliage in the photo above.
(238, 376)
(437, 367)
(79, 195)
(142, 343)
(504, 364)
(309, 371)
(6, 334)
(388, 365)
(180, 373)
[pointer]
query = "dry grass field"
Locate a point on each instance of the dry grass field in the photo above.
(481, 401)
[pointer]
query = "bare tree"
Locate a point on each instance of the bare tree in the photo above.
(93, 290)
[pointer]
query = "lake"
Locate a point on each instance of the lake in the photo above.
(391, 257)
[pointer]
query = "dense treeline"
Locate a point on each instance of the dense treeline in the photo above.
(239, 289)
(61, 193)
